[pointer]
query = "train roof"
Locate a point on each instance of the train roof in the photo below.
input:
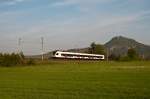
(74, 53)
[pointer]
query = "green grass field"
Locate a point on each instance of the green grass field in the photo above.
(76, 80)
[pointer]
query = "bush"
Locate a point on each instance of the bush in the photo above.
(10, 59)
(30, 62)
(125, 58)
(114, 57)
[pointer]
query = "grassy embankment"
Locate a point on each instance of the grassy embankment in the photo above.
(76, 80)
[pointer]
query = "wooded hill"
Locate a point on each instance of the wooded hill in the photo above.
(120, 45)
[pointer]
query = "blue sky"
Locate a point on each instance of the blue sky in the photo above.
(68, 24)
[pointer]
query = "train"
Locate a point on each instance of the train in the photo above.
(73, 55)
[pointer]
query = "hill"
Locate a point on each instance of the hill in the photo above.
(120, 45)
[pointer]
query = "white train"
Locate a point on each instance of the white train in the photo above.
(72, 55)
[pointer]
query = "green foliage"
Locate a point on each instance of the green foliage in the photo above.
(10, 59)
(92, 47)
(22, 55)
(125, 58)
(131, 56)
(30, 62)
(96, 49)
(114, 57)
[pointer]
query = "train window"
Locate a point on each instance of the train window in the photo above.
(69, 55)
(100, 57)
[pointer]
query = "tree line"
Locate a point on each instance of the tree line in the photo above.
(131, 54)
(14, 59)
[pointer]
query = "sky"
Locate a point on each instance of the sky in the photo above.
(66, 24)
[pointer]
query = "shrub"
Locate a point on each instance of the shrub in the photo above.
(30, 62)
(10, 59)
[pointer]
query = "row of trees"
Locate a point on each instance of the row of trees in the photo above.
(100, 49)
(11, 59)
(130, 56)
(14, 59)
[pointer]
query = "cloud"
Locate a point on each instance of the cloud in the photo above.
(84, 25)
(79, 2)
(81, 5)
(63, 3)
(10, 2)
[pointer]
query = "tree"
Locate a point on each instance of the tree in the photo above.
(10, 59)
(132, 54)
(22, 55)
(92, 47)
(114, 57)
(97, 48)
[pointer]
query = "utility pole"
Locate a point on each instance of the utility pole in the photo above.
(19, 45)
(107, 54)
(42, 42)
(19, 48)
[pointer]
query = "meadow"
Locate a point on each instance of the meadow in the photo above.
(76, 80)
